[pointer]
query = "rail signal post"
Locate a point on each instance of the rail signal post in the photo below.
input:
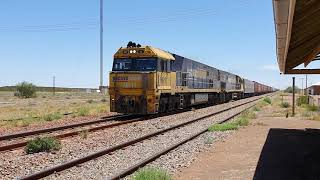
(101, 45)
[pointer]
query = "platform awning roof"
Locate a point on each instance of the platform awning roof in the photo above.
(297, 24)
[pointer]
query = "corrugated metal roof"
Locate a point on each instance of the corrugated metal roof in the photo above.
(298, 34)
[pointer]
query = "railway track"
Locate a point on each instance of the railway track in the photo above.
(106, 151)
(21, 139)
(46, 130)
(20, 143)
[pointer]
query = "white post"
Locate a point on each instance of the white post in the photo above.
(101, 44)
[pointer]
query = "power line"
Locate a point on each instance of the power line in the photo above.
(92, 24)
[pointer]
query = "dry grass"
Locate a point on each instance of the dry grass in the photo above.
(282, 108)
(46, 107)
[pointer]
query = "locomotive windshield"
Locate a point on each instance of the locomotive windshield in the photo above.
(148, 64)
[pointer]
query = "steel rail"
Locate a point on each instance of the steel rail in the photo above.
(58, 128)
(68, 134)
(74, 162)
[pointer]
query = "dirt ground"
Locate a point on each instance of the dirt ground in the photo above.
(239, 154)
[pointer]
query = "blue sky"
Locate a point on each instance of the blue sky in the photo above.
(41, 39)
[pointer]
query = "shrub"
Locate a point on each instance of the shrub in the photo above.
(302, 100)
(248, 114)
(51, 117)
(101, 109)
(285, 105)
(290, 90)
(267, 100)
(90, 101)
(25, 90)
(223, 127)
(151, 173)
(312, 108)
(83, 111)
(255, 108)
(103, 100)
(261, 104)
(242, 121)
(44, 144)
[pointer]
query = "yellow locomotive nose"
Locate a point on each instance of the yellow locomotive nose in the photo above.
(130, 92)
(131, 104)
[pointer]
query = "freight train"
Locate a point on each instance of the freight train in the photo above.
(148, 80)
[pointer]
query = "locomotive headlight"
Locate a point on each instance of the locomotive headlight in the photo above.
(131, 51)
(134, 51)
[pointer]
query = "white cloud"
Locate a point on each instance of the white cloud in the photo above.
(270, 67)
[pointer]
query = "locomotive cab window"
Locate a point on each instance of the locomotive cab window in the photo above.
(149, 64)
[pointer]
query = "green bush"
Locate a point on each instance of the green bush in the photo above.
(285, 105)
(83, 111)
(290, 90)
(267, 100)
(242, 121)
(25, 90)
(302, 100)
(90, 101)
(51, 117)
(103, 100)
(223, 127)
(248, 114)
(312, 108)
(44, 144)
(151, 174)
(255, 108)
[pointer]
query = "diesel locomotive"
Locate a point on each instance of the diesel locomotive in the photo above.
(148, 80)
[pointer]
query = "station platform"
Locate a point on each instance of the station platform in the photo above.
(270, 148)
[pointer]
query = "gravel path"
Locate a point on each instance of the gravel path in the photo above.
(76, 147)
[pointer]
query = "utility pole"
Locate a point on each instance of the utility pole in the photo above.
(101, 44)
(293, 98)
(54, 85)
(302, 91)
(306, 91)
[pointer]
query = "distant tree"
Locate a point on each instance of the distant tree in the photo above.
(290, 90)
(25, 90)
(134, 45)
(138, 45)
